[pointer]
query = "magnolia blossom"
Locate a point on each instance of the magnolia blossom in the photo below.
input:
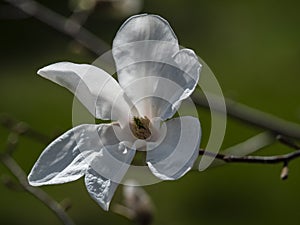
(154, 76)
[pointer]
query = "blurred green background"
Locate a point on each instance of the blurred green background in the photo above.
(253, 47)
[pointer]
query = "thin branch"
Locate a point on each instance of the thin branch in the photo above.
(18, 128)
(253, 159)
(288, 142)
(227, 157)
(62, 24)
(253, 117)
(17, 171)
(22, 128)
(9, 12)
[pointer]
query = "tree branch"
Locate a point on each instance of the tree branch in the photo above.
(20, 128)
(285, 158)
(253, 117)
(259, 159)
(253, 159)
(17, 171)
(62, 24)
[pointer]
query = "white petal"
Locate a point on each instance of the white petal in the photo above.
(67, 158)
(187, 78)
(176, 155)
(153, 72)
(106, 172)
(101, 189)
(142, 38)
(95, 88)
(144, 27)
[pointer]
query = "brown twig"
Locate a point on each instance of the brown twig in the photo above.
(285, 158)
(18, 172)
(62, 24)
(253, 159)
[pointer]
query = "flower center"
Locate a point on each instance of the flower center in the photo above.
(140, 127)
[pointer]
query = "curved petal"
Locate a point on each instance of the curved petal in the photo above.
(106, 172)
(95, 88)
(144, 27)
(176, 155)
(189, 71)
(142, 38)
(153, 72)
(100, 188)
(67, 158)
(160, 94)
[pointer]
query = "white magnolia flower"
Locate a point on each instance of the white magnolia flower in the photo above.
(154, 77)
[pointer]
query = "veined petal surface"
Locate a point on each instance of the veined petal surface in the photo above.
(68, 157)
(107, 171)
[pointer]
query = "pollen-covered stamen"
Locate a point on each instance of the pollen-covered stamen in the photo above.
(140, 127)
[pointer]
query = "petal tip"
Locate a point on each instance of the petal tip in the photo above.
(41, 71)
(105, 206)
(32, 182)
